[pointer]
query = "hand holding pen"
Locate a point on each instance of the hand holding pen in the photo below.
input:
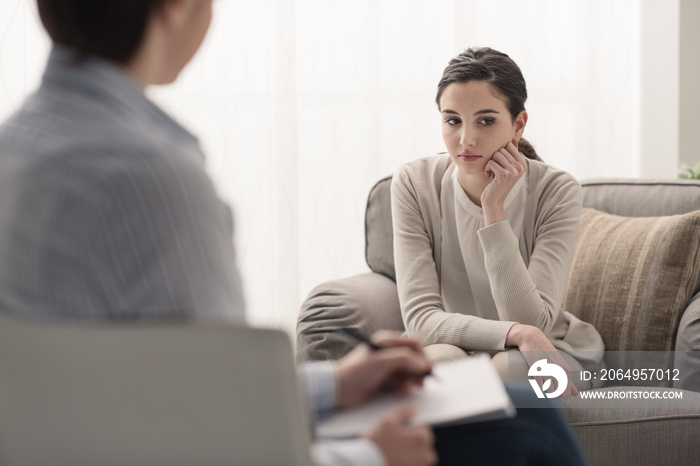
(386, 363)
(355, 335)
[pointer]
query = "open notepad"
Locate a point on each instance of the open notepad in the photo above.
(466, 390)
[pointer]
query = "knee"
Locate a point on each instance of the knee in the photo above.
(442, 352)
(510, 365)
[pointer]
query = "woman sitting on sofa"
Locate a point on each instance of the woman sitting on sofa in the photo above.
(484, 236)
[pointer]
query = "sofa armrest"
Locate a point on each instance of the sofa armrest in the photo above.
(687, 356)
(366, 303)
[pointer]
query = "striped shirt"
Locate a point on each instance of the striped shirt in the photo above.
(106, 212)
(105, 207)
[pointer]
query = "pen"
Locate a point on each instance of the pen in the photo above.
(357, 336)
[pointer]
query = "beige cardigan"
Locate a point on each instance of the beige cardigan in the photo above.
(528, 275)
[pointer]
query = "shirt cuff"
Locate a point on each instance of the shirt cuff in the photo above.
(319, 383)
(355, 452)
(493, 233)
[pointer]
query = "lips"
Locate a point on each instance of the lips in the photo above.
(468, 157)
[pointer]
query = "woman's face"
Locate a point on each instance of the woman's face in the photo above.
(475, 124)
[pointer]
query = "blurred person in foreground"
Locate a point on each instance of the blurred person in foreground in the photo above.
(107, 213)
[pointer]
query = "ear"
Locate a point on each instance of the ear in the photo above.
(172, 13)
(519, 124)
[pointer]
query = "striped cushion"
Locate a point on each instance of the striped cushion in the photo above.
(633, 277)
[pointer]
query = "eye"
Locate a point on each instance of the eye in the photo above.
(486, 121)
(453, 121)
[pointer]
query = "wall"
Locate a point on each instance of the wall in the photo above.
(689, 81)
(659, 97)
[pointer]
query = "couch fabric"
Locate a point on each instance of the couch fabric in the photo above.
(632, 277)
(638, 434)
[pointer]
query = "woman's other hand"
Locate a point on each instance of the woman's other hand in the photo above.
(534, 345)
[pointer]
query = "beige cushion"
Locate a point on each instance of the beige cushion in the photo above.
(633, 277)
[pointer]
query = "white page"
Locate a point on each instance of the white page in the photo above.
(460, 390)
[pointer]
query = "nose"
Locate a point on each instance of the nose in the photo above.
(466, 139)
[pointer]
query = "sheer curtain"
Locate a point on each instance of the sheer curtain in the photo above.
(302, 105)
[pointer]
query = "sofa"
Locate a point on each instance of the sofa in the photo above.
(635, 276)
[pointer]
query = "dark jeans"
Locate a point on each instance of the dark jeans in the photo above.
(536, 436)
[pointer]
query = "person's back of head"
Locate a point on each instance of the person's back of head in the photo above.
(112, 29)
(153, 39)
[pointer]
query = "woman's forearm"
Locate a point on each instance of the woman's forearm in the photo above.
(515, 294)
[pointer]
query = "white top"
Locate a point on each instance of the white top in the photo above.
(465, 285)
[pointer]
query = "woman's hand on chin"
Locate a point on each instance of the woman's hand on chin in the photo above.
(504, 169)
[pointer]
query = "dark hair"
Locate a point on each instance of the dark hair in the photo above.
(497, 69)
(111, 29)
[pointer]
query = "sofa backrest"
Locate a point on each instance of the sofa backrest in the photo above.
(379, 233)
(628, 197)
(642, 198)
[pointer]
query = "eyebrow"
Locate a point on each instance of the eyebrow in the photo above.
(480, 112)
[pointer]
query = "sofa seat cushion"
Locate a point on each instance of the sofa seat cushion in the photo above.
(633, 277)
(642, 431)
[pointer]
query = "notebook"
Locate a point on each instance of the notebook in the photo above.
(466, 390)
(137, 394)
